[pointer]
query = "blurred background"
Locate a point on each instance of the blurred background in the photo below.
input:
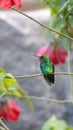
(20, 39)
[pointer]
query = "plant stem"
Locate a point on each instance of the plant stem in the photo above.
(2, 123)
(40, 74)
(43, 25)
(69, 70)
(40, 98)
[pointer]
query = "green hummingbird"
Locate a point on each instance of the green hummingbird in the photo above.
(47, 68)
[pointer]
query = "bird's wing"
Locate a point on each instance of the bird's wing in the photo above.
(50, 77)
(47, 79)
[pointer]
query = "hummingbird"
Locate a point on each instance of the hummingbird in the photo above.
(47, 68)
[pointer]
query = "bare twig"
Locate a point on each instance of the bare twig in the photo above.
(1, 128)
(40, 98)
(40, 74)
(43, 25)
(5, 127)
(69, 70)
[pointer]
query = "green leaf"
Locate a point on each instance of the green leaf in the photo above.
(57, 23)
(2, 70)
(2, 76)
(46, 126)
(9, 85)
(63, 6)
(54, 124)
(71, 21)
(9, 75)
(13, 87)
(2, 88)
(10, 81)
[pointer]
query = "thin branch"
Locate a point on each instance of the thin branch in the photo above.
(69, 70)
(43, 25)
(40, 74)
(28, 76)
(5, 127)
(1, 128)
(40, 98)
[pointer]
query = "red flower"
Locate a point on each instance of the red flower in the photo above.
(10, 111)
(9, 3)
(57, 54)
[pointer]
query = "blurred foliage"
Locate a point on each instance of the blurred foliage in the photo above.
(9, 87)
(55, 124)
(61, 18)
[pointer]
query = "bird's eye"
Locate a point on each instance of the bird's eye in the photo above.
(41, 57)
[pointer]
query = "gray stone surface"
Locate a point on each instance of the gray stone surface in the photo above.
(16, 52)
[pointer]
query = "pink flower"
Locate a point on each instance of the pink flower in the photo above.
(61, 54)
(9, 3)
(10, 111)
(57, 55)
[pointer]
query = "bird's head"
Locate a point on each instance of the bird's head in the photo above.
(43, 58)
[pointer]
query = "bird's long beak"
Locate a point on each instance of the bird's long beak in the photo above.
(36, 56)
